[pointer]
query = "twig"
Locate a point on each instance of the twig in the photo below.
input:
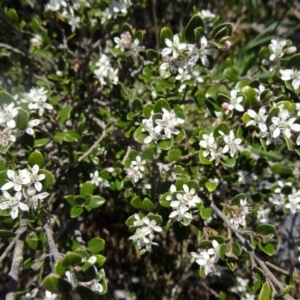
(268, 274)
(87, 153)
(282, 271)
(8, 47)
(53, 251)
(8, 248)
(17, 261)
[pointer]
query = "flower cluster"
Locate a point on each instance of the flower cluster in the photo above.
(293, 75)
(277, 50)
(208, 259)
(217, 148)
(185, 56)
(124, 43)
(116, 7)
(98, 180)
(104, 72)
(282, 125)
(239, 214)
(67, 11)
(161, 129)
(136, 169)
(27, 187)
(144, 234)
(8, 123)
(182, 202)
(293, 203)
(36, 100)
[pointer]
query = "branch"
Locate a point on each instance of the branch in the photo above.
(17, 261)
(53, 251)
(87, 153)
(268, 274)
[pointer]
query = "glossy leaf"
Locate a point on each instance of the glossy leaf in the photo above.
(36, 158)
(55, 284)
(96, 245)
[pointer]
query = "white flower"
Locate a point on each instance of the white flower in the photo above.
(98, 180)
(55, 5)
(277, 51)
(17, 180)
(294, 201)
(36, 100)
(124, 42)
(134, 174)
(263, 214)
(258, 119)
(231, 143)
(202, 53)
(35, 178)
(13, 203)
(283, 124)
(138, 164)
(235, 102)
(121, 6)
(180, 212)
(50, 296)
(173, 48)
(31, 124)
(217, 155)
(291, 74)
(74, 22)
(34, 199)
(7, 115)
(105, 73)
(167, 123)
(6, 137)
(190, 197)
(134, 49)
(208, 259)
(209, 143)
(36, 41)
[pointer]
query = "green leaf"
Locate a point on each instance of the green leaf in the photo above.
(13, 16)
(205, 212)
(166, 144)
(265, 229)
(160, 104)
(6, 98)
(56, 284)
(49, 178)
(165, 33)
(203, 160)
(173, 155)
(22, 119)
(232, 74)
(223, 127)
(267, 248)
(76, 211)
(71, 136)
(222, 30)
(136, 202)
(64, 114)
(34, 243)
(87, 189)
(139, 135)
(147, 205)
(93, 202)
(200, 96)
(148, 108)
(250, 95)
(285, 291)
(36, 158)
(211, 186)
(194, 23)
(85, 272)
(100, 260)
(71, 259)
(59, 137)
(96, 245)
(85, 293)
(236, 249)
(40, 142)
(59, 269)
(265, 293)
(293, 62)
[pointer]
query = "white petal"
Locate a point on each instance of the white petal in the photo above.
(7, 186)
(23, 206)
